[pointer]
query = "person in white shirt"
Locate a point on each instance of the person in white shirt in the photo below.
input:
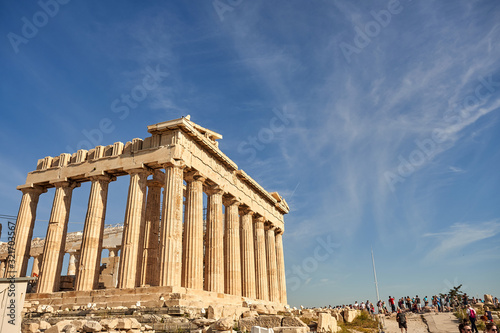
(472, 318)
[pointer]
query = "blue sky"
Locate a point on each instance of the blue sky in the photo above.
(378, 122)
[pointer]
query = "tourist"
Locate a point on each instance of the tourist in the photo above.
(472, 318)
(408, 302)
(419, 306)
(401, 303)
(401, 319)
(384, 307)
(464, 327)
(487, 313)
(393, 305)
(491, 328)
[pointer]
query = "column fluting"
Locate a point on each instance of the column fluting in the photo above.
(150, 270)
(171, 226)
(280, 263)
(24, 231)
(35, 270)
(214, 242)
(272, 272)
(192, 254)
(260, 260)
(87, 272)
(55, 241)
(247, 254)
(134, 219)
(232, 257)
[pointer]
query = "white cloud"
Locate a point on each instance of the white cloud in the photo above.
(459, 236)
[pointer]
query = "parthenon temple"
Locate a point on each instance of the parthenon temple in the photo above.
(229, 252)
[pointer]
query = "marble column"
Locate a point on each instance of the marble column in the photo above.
(192, 251)
(150, 271)
(232, 257)
(135, 214)
(25, 224)
(87, 274)
(272, 272)
(261, 281)
(35, 270)
(247, 254)
(2, 267)
(73, 262)
(171, 226)
(214, 242)
(280, 263)
(55, 241)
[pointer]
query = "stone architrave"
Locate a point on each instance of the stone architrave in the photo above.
(232, 257)
(247, 254)
(87, 273)
(261, 280)
(214, 242)
(150, 269)
(271, 263)
(171, 226)
(55, 241)
(280, 263)
(25, 224)
(134, 219)
(192, 254)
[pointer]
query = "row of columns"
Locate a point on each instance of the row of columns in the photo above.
(243, 254)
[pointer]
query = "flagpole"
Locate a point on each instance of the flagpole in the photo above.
(378, 297)
(375, 275)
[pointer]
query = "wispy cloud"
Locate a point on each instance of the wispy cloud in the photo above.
(459, 236)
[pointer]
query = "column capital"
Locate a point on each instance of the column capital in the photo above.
(154, 183)
(103, 177)
(259, 219)
(136, 170)
(229, 200)
(269, 226)
(37, 189)
(215, 189)
(65, 183)
(279, 231)
(194, 175)
(174, 163)
(245, 210)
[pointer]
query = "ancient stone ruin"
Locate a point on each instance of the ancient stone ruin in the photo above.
(166, 253)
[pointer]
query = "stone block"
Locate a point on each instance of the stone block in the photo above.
(258, 329)
(246, 324)
(214, 312)
(285, 329)
(78, 324)
(92, 326)
(324, 320)
(250, 313)
(44, 325)
(293, 322)
(32, 327)
(269, 321)
(53, 329)
(224, 324)
(109, 324)
(350, 315)
(127, 323)
(69, 329)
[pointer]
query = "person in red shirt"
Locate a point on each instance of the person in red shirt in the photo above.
(391, 302)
